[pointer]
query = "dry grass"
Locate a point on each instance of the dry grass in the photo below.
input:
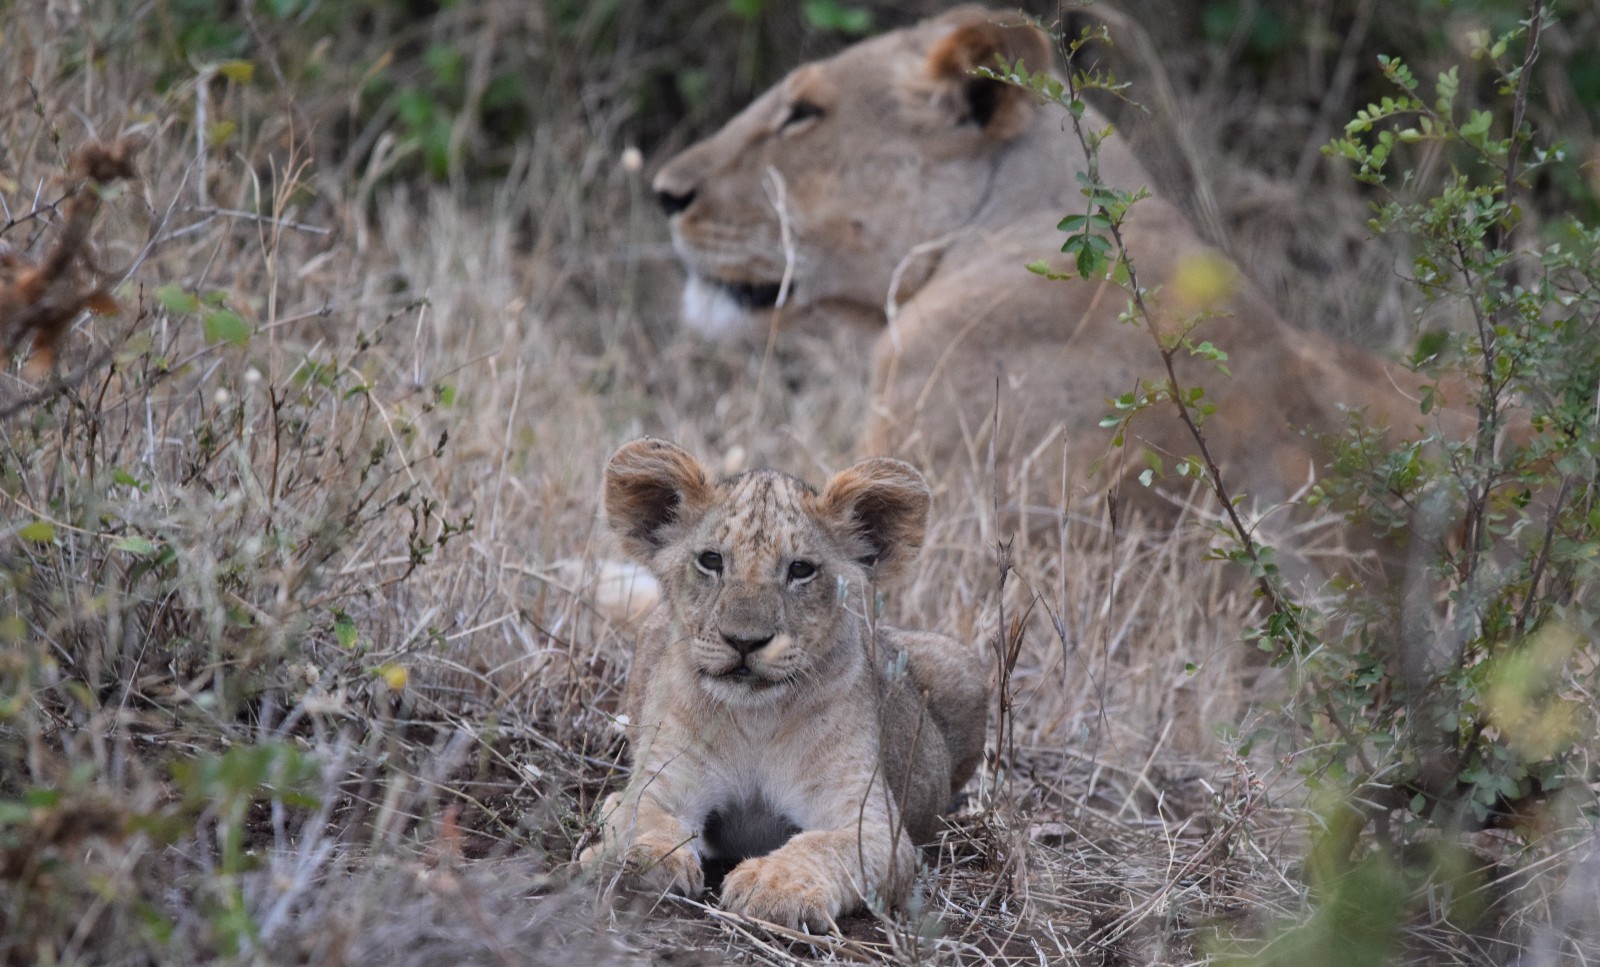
(338, 543)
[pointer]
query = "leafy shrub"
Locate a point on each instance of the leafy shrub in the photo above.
(1468, 702)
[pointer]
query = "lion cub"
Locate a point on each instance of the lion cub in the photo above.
(772, 728)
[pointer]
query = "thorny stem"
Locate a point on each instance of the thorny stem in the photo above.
(1519, 107)
(1488, 421)
(1543, 559)
(1481, 481)
(1280, 606)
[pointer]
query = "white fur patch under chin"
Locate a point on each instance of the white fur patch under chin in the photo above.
(738, 694)
(710, 311)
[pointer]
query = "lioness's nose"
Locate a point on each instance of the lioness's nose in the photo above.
(744, 646)
(673, 202)
(677, 182)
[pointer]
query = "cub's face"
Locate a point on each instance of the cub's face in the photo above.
(765, 577)
(759, 586)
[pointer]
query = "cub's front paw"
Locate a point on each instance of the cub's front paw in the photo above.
(781, 890)
(659, 864)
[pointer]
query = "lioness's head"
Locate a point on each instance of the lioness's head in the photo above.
(820, 188)
(765, 576)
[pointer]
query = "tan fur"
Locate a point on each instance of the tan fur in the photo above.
(915, 193)
(756, 682)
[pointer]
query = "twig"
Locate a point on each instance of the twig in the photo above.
(256, 217)
(56, 385)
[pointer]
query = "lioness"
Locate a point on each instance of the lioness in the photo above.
(772, 725)
(889, 182)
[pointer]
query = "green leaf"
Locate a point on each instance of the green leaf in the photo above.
(14, 813)
(832, 15)
(1042, 267)
(1080, 223)
(175, 298)
(284, 9)
(1477, 126)
(1449, 84)
(225, 325)
(344, 629)
(134, 545)
(447, 63)
(218, 132)
(38, 532)
(238, 71)
(415, 109)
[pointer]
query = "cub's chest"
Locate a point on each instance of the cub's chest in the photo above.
(792, 769)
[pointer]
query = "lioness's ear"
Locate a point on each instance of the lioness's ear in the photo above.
(650, 486)
(979, 39)
(883, 504)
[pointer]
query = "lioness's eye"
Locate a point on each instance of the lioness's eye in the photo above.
(709, 562)
(800, 111)
(802, 571)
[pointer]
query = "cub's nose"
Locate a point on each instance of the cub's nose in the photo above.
(744, 646)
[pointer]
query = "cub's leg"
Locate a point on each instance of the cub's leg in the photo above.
(657, 850)
(954, 676)
(821, 874)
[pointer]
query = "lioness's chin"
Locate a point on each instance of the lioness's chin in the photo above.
(719, 311)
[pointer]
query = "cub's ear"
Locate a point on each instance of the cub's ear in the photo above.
(979, 37)
(650, 486)
(882, 504)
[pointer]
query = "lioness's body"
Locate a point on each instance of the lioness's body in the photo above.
(888, 181)
(772, 727)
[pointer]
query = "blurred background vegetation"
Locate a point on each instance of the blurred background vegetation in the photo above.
(461, 83)
(1229, 101)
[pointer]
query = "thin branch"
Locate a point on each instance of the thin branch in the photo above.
(264, 219)
(1273, 594)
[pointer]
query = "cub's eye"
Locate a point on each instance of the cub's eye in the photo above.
(799, 112)
(709, 561)
(800, 571)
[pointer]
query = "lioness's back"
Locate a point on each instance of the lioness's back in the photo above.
(954, 183)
